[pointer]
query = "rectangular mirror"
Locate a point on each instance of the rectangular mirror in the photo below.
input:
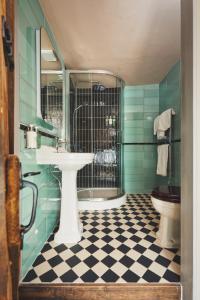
(49, 81)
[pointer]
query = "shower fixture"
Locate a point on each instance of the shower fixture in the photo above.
(98, 87)
(74, 128)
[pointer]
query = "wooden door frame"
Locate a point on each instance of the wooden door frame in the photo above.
(9, 165)
(5, 278)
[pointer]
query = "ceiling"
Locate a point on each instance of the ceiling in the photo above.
(47, 45)
(139, 40)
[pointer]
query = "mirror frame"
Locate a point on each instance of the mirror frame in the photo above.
(38, 72)
(38, 82)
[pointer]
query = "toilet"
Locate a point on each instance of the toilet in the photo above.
(166, 200)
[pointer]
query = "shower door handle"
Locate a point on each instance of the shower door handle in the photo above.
(119, 137)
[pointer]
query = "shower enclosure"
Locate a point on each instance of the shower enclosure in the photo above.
(95, 118)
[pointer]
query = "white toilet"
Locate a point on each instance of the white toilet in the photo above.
(166, 201)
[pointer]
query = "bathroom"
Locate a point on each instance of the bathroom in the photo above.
(98, 136)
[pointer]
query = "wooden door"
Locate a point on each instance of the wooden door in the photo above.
(9, 164)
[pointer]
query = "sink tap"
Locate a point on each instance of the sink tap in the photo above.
(59, 142)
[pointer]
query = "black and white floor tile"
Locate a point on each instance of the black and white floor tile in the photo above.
(118, 245)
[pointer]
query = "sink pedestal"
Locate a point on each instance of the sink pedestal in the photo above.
(70, 229)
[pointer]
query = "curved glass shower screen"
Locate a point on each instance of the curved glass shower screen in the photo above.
(95, 118)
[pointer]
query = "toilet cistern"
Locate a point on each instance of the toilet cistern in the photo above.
(70, 228)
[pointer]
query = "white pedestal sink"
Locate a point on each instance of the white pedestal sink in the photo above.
(70, 229)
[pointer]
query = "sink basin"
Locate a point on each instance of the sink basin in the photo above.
(64, 160)
(70, 228)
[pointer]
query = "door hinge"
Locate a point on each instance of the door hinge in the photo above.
(7, 45)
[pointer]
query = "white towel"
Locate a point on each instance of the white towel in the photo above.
(160, 133)
(156, 123)
(162, 159)
(162, 123)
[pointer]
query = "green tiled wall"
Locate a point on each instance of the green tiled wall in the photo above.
(30, 18)
(141, 105)
(170, 96)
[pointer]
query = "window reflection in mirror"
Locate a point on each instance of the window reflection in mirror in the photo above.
(51, 83)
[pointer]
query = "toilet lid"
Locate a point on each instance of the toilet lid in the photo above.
(167, 193)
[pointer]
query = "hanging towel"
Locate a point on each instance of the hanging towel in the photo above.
(162, 123)
(162, 159)
(165, 119)
(156, 130)
(156, 123)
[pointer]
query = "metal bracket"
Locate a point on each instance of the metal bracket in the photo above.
(7, 44)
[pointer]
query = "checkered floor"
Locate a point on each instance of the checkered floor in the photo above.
(118, 245)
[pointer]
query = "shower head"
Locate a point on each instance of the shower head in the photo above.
(81, 105)
(98, 87)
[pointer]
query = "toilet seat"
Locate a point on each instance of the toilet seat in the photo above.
(167, 193)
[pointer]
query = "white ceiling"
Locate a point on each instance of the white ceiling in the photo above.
(137, 39)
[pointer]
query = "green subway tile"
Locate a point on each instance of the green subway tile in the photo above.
(148, 132)
(133, 101)
(151, 93)
(133, 148)
(150, 148)
(150, 116)
(151, 86)
(149, 124)
(170, 97)
(133, 164)
(133, 139)
(134, 187)
(151, 101)
(28, 94)
(149, 164)
(134, 116)
(26, 14)
(27, 73)
(133, 123)
(133, 131)
(27, 52)
(134, 93)
(134, 87)
(148, 139)
(151, 108)
(133, 108)
(134, 156)
(133, 171)
(149, 155)
(134, 178)
(31, 18)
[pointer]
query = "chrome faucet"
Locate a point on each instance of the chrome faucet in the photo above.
(59, 142)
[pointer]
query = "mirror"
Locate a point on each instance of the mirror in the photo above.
(50, 81)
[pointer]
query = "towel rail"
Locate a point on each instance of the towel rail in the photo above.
(152, 143)
(24, 127)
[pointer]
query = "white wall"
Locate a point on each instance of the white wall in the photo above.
(196, 150)
(191, 149)
(187, 148)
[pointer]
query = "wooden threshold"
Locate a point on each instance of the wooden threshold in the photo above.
(110, 291)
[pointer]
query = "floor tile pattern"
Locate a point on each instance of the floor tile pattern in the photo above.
(118, 245)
